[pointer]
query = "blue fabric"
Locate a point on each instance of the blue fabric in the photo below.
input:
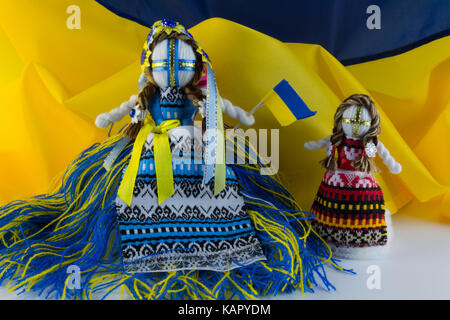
(161, 112)
(183, 168)
(339, 26)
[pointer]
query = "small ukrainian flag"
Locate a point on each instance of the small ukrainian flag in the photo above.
(285, 104)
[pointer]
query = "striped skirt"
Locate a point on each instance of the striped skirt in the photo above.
(349, 209)
(192, 229)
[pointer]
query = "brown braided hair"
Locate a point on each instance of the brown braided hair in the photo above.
(363, 163)
(192, 91)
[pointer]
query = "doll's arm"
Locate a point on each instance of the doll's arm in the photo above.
(388, 160)
(319, 144)
(237, 113)
(105, 119)
(233, 111)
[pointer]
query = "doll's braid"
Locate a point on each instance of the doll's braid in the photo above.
(330, 162)
(144, 96)
(192, 91)
(363, 163)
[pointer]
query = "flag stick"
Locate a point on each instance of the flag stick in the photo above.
(250, 113)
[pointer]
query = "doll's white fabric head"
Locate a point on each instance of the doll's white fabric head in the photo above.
(173, 63)
(356, 121)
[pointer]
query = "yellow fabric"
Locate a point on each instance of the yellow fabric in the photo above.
(278, 108)
(54, 81)
(163, 160)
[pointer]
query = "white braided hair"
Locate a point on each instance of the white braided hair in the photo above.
(103, 120)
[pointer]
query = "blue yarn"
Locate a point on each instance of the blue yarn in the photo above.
(88, 225)
(251, 181)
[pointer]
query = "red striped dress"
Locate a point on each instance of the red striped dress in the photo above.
(349, 205)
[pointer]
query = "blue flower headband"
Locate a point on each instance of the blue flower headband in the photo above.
(168, 26)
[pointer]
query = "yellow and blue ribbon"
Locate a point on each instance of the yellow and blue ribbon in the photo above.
(215, 145)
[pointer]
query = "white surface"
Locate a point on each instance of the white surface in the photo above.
(416, 268)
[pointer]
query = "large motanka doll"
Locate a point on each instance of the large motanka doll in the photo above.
(154, 212)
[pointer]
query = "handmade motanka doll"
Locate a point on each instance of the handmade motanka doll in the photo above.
(349, 206)
(154, 212)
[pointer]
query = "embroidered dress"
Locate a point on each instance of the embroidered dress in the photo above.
(349, 205)
(192, 229)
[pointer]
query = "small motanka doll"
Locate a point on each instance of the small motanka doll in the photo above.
(154, 212)
(349, 206)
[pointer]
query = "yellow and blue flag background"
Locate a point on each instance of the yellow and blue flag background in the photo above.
(55, 80)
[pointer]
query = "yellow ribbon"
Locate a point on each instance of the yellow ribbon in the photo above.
(220, 172)
(163, 160)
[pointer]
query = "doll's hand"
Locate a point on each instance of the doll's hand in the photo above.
(310, 145)
(395, 167)
(390, 162)
(237, 113)
(314, 145)
(105, 119)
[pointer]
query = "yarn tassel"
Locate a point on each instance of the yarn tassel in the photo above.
(77, 225)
